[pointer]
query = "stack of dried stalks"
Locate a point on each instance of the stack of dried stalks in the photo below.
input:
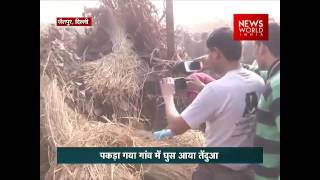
(112, 83)
(139, 18)
(56, 57)
(69, 84)
(117, 78)
(61, 126)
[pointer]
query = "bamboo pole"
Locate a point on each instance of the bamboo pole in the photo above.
(170, 29)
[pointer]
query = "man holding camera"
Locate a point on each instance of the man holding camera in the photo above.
(227, 106)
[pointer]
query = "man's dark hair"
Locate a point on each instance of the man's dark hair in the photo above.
(274, 39)
(222, 39)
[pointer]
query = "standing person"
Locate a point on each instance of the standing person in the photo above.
(268, 113)
(227, 106)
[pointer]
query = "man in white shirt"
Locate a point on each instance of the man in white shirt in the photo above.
(227, 106)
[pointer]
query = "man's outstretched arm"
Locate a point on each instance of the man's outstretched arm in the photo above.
(175, 121)
(201, 109)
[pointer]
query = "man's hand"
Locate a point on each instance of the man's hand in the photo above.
(195, 84)
(167, 87)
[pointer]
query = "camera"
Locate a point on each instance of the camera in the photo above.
(153, 87)
(180, 83)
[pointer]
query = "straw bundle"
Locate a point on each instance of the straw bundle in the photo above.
(116, 78)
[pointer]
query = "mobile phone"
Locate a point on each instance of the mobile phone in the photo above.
(193, 66)
(180, 83)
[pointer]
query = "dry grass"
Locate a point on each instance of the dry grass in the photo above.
(168, 172)
(116, 78)
(63, 127)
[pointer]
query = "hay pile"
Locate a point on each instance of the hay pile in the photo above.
(113, 81)
(75, 93)
(117, 77)
(142, 23)
(139, 19)
(63, 127)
